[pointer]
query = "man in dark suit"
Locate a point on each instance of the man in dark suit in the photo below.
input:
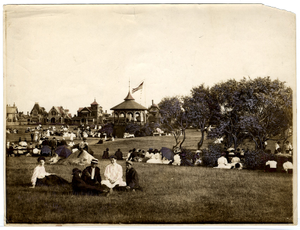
(132, 179)
(80, 187)
(53, 145)
(91, 174)
(119, 155)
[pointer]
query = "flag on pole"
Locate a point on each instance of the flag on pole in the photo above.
(138, 88)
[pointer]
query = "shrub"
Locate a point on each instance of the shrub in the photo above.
(256, 159)
(211, 155)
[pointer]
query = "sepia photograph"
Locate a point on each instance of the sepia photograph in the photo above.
(149, 114)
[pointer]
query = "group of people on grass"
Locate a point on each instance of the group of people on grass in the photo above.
(234, 160)
(89, 180)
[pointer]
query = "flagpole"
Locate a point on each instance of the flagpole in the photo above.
(145, 93)
(129, 83)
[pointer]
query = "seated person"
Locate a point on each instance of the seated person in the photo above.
(113, 175)
(91, 174)
(223, 163)
(40, 177)
(271, 165)
(119, 155)
(132, 179)
(55, 159)
(288, 147)
(238, 166)
(288, 166)
(235, 160)
(198, 161)
(279, 152)
(80, 187)
(105, 154)
(133, 156)
(177, 160)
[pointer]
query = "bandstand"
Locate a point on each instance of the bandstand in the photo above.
(127, 112)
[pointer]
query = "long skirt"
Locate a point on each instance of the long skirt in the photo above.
(119, 182)
(51, 180)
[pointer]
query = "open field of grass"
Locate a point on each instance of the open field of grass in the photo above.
(171, 194)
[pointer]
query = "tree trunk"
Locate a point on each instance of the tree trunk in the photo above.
(183, 138)
(200, 143)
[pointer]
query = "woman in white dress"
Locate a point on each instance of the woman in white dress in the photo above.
(156, 158)
(223, 163)
(113, 174)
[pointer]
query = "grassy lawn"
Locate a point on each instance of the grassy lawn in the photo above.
(171, 194)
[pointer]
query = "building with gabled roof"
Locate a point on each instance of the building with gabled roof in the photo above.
(57, 114)
(38, 114)
(89, 115)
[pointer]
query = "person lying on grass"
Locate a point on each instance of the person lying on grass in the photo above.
(132, 178)
(113, 175)
(40, 177)
(80, 187)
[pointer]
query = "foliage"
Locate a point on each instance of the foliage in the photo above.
(174, 118)
(149, 128)
(256, 159)
(200, 109)
(132, 128)
(211, 155)
(107, 128)
(258, 109)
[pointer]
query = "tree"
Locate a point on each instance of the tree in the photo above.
(270, 111)
(108, 129)
(257, 109)
(173, 118)
(200, 109)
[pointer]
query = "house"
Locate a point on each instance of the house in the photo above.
(12, 114)
(89, 115)
(57, 114)
(38, 114)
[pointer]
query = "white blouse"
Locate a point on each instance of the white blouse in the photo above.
(39, 173)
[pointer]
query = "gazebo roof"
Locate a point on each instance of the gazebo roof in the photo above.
(129, 104)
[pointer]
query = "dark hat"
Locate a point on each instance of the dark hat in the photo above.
(94, 161)
(75, 170)
(113, 156)
(41, 158)
(84, 138)
(129, 162)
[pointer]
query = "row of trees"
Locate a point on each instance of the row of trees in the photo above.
(257, 109)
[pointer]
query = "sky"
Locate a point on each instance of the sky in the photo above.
(70, 55)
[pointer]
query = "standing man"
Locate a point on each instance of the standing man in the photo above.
(91, 174)
(53, 145)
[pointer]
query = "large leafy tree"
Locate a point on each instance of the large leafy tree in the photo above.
(267, 109)
(200, 108)
(258, 109)
(174, 119)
